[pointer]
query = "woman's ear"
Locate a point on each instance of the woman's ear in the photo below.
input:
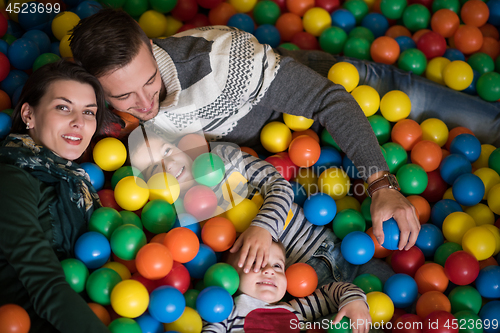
(27, 115)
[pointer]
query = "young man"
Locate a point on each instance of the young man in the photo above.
(221, 81)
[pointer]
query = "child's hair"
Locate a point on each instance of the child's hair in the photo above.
(141, 136)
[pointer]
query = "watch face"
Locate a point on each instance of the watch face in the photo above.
(393, 181)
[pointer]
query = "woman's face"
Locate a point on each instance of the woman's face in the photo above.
(65, 119)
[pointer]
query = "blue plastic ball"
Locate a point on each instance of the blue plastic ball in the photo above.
(343, 19)
(454, 54)
(242, 21)
(87, 8)
(17, 94)
(54, 48)
(23, 53)
(14, 79)
(5, 124)
(490, 315)
(36, 19)
(453, 166)
(268, 34)
(357, 248)
(166, 304)
(148, 324)
(376, 23)
(402, 289)
(405, 43)
(442, 209)
(468, 189)
(488, 282)
(320, 208)
(188, 221)
(467, 145)
(471, 89)
(494, 7)
(391, 234)
(214, 304)
(14, 29)
(4, 47)
(95, 173)
(201, 263)
(299, 193)
(72, 3)
(429, 239)
(40, 38)
(350, 168)
(93, 249)
(328, 158)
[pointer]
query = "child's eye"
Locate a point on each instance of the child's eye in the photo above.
(278, 266)
(167, 151)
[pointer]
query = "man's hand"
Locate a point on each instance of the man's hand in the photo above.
(255, 244)
(359, 314)
(387, 203)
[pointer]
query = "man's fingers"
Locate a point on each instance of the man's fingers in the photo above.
(378, 231)
(414, 230)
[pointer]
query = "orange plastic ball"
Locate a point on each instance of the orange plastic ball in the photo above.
(221, 14)
(288, 25)
(130, 264)
(380, 251)
(432, 301)
(304, 151)
(101, 313)
(193, 145)
(416, 36)
(5, 102)
(398, 30)
(250, 151)
(219, 234)
(14, 319)
(489, 30)
(474, 12)
(491, 47)
(182, 243)
(407, 133)
(491, 261)
(159, 238)
(385, 50)
(299, 7)
(453, 134)
(468, 39)
(422, 207)
(445, 22)
(302, 280)
(427, 154)
(309, 132)
(431, 277)
(154, 261)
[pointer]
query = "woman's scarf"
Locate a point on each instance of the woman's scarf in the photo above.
(75, 198)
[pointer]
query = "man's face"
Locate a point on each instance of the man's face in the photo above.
(137, 87)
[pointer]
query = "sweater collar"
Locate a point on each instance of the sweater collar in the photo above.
(169, 77)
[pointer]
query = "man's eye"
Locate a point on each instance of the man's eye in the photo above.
(123, 98)
(150, 82)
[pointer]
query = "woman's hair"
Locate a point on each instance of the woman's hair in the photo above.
(107, 41)
(37, 84)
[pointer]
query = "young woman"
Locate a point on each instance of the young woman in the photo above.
(46, 199)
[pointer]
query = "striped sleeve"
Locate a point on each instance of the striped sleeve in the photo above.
(327, 300)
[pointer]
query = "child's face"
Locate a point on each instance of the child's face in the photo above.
(269, 284)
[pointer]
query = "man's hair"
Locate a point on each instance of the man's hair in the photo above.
(107, 41)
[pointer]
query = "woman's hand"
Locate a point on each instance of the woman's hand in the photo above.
(358, 313)
(255, 244)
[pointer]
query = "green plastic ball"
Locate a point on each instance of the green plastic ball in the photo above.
(453, 5)
(358, 8)
(190, 296)
(163, 6)
(131, 218)
(368, 283)
(43, 59)
(444, 250)
(465, 298)
(365, 211)
(200, 285)
(412, 60)
(158, 216)
(76, 273)
(8, 111)
(126, 241)
(124, 325)
(347, 221)
(481, 62)
(290, 46)
(332, 40)
(208, 169)
(266, 12)
(135, 7)
(494, 160)
(362, 32)
(327, 140)
(358, 48)
(416, 17)
(9, 38)
(123, 172)
(468, 322)
(381, 127)
(343, 326)
(412, 179)
(497, 64)
(105, 220)
(222, 275)
(393, 9)
(395, 156)
(100, 284)
(488, 86)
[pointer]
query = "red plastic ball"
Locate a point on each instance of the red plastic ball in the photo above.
(201, 202)
(407, 261)
(436, 187)
(221, 14)
(107, 197)
(4, 66)
(328, 5)
(199, 20)
(182, 243)
(302, 280)
(432, 45)
(461, 268)
(305, 41)
(304, 151)
(408, 323)
(178, 278)
(185, 10)
(208, 3)
(284, 166)
(440, 322)
(149, 284)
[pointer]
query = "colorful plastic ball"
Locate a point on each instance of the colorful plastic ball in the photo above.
(363, 33)
(87, 8)
(328, 158)
(395, 156)
(454, 54)
(120, 268)
(208, 169)
(63, 23)
(243, 6)
(299, 193)
(275, 137)
(442, 209)
(149, 324)
(467, 145)
(76, 273)
(345, 74)
(158, 216)
(242, 215)
(413, 60)
(95, 173)
(384, 50)
(432, 45)
(474, 13)
(357, 248)
(461, 268)
(304, 151)
(488, 282)
(178, 277)
(445, 22)
(453, 166)
(201, 262)
(14, 79)
(189, 321)
(93, 249)
(368, 283)
(266, 12)
(465, 298)
(14, 319)
(395, 105)
(166, 304)
(490, 313)
(481, 62)
(468, 189)
(343, 19)
(347, 221)
(434, 70)
(214, 304)
(381, 127)
(407, 261)
(458, 75)
(242, 21)
(402, 289)
(124, 325)
(332, 40)
(220, 14)
(105, 220)
(218, 233)
(468, 39)
(380, 251)
(22, 53)
(201, 202)
(480, 242)
(431, 277)
(416, 17)
(426, 154)
(316, 20)
(412, 179)
(358, 8)
(222, 275)
(123, 172)
(391, 234)
(100, 283)
(334, 182)
(376, 23)
(381, 306)
(163, 186)
(305, 41)
(268, 34)
(393, 9)
(456, 225)
(154, 261)
(488, 86)
(126, 241)
(367, 98)
(432, 301)
(182, 243)
(437, 320)
(109, 154)
(40, 38)
(407, 133)
(320, 209)
(429, 239)
(405, 43)
(5, 125)
(284, 166)
(302, 280)
(297, 123)
(129, 298)
(358, 48)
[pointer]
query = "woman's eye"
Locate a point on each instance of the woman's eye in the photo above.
(89, 112)
(62, 107)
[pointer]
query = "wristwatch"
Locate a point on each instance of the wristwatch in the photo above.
(388, 180)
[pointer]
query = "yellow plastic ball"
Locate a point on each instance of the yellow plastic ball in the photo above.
(275, 137)
(448, 194)
(345, 74)
(482, 161)
(348, 202)
(496, 232)
(12, 12)
(370, 4)
(64, 48)
(458, 75)
(173, 25)
(109, 154)
(131, 193)
(297, 123)
(456, 225)
(367, 98)
(120, 268)
(189, 322)
(395, 105)
(480, 242)
(435, 130)
(164, 186)
(129, 298)
(243, 6)
(489, 177)
(242, 215)
(381, 306)
(153, 23)
(63, 23)
(308, 179)
(493, 199)
(316, 20)
(434, 69)
(481, 213)
(335, 182)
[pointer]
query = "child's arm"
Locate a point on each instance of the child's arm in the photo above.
(214, 327)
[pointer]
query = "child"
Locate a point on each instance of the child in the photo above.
(257, 308)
